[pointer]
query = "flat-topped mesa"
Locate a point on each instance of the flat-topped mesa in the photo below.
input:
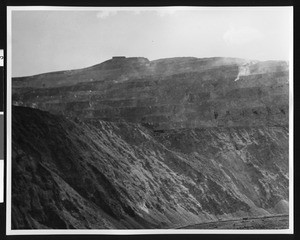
(128, 59)
(118, 57)
(124, 64)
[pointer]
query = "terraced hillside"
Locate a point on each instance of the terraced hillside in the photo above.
(133, 143)
(98, 174)
(166, 93)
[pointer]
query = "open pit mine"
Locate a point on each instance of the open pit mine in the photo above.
(136, 144)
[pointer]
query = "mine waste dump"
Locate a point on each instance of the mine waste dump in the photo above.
(136, 144)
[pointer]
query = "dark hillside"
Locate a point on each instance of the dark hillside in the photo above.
(97, 174)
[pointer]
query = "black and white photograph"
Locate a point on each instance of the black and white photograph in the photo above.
(147, 120)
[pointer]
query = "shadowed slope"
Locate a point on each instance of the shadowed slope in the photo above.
(97, 174)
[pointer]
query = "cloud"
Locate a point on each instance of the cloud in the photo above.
(241, 35)
(106, 14)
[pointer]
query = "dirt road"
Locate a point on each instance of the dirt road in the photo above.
(267, 222)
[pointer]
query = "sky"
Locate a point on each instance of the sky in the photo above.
(45, 41)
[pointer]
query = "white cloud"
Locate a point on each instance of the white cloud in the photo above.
(106, 14)
(241, 35)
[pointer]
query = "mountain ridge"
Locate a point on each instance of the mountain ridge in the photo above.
(170, 93)
(146, 60)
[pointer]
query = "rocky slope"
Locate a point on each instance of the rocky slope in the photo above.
(97, 174)
(165, 94)
(133, 143)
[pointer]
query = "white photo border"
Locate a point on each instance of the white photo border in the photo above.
(10, 231)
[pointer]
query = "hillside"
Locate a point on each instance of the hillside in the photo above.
(133, 143)
(69, 173)
(166, 93)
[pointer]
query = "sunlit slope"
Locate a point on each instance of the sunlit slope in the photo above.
(167, 93)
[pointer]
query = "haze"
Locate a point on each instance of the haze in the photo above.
(46, 41)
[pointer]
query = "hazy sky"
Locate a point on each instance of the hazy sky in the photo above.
(45, 41)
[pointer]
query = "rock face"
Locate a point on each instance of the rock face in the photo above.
(98, 174)
(133, 143)
(165, 94)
